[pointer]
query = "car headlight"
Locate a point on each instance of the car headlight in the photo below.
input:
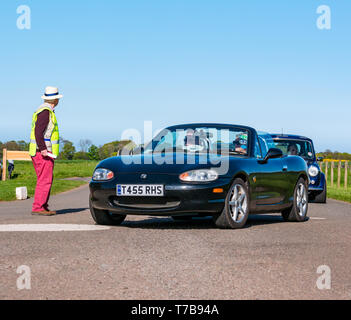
(202, 175)
(313, 171)
(102, 174)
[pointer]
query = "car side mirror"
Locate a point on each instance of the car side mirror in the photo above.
(272, 153)
(320, 159)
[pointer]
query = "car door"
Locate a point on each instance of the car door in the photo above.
(267, 181)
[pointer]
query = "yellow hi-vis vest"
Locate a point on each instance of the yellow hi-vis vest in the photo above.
(51, 135)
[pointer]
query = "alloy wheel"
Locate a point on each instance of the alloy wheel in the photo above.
(301, 200)
(238, 203)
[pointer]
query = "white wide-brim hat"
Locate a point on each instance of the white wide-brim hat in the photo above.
(51, 93)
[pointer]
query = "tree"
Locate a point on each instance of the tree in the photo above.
(61, 142)
(1, 148)
(106, 150)
(111, 149)
(84, 144)
(11, 145)
(328, 154)
(22, 145)
(81, 156)
(68, 150)
(93, 153)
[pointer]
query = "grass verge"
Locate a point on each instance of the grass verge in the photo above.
(339, 194)
(24, 176)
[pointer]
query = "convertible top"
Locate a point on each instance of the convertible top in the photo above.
(289, 136)
(208, 124)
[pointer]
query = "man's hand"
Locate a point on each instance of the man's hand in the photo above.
(240, 150)
(44, 153)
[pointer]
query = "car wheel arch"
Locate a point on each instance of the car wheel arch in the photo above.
(243, 176)
(303, 176)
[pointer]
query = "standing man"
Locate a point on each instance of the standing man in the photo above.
(10, 168)
(44, 148)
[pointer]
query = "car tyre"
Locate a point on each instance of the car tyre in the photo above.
(103, 217)
(236, 208)
(298, 211)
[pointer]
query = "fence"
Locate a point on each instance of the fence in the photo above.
(13, 155)
(341, 177)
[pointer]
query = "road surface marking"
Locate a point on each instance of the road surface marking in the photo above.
(317, 218)
(49, 227)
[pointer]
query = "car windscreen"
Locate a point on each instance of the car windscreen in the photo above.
(234, 141)
(302, 148)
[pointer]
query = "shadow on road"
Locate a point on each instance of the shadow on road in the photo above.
(66, 211)
(197, 223)
(169, 223)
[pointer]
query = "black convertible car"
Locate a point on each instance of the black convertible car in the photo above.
(220, 170)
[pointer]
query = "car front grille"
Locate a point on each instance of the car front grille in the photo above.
(145, 202)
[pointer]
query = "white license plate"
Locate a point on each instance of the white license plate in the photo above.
(142, 190)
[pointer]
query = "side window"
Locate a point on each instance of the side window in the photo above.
(258, 153)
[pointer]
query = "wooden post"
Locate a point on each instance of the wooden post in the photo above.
(326, 171)
(321, 166)
(4, 164)
(346, 173)
(13, 155)
(332, 174)
(339, 173)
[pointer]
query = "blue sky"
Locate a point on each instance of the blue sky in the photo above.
(118, 63)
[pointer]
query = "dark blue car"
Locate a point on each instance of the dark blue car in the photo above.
(303, 147)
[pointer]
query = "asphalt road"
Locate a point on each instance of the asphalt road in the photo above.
(157, 258)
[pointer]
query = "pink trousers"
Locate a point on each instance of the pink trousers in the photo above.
(44, 168)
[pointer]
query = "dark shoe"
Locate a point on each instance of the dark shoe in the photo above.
(47, 209)
(43, 213)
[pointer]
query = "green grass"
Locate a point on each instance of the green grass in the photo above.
(339, 194)
(24, 176)
(335, 192)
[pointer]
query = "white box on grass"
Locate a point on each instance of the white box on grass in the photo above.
(21, 193)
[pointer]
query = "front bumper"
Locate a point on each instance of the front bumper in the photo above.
(317, 184)
(178, 199)
(313, 189)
